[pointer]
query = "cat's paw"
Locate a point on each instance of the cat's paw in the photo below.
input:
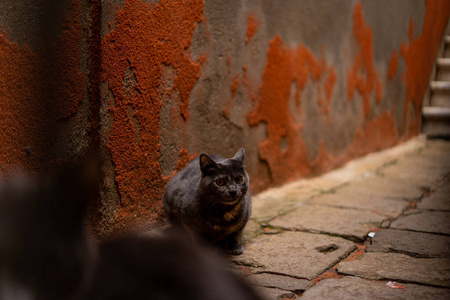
(238, 249)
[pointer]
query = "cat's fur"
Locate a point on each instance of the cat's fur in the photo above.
(210, 197)
(46, 253)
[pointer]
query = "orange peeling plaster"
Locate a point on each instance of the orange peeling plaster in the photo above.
(362, 76)
(234, 84)
(37, 89)
(146, 37)
(284, 149)
(377, 134)
(392, 65)
(252, 25)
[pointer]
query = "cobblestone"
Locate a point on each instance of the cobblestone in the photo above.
(392, 266)
(279, 282)
(354, 199)
(416, 244)
(311, 235)
(349, 223)
(356, 288)
(425, 221)
(438, 200)
(294, 254)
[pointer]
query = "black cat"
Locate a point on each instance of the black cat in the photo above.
(210, 197)
(46, 253)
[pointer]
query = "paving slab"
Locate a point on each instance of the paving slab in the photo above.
(393, 266)
(251, 230)
(350, 288)
(279, 281)
(380, 205)
(269, 204)
(436, 154)
(424, 221)
(329, 181)
(417, 244)
(432, 174)
(381, 187)
(419, 176)
(349, 223)
(272, 293)
(432, 163)
(445, 187)
(438, 144)
(296, 254)
(438, 200)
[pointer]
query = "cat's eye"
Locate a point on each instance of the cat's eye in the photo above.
(239, 179)
(220, 182)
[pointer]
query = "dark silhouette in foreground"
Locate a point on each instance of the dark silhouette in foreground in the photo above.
(46, 252)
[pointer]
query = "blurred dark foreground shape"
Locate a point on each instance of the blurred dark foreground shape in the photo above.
(47, 253)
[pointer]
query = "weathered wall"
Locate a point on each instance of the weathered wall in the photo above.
(304, 87)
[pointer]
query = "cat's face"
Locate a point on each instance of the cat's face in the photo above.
(224, 180)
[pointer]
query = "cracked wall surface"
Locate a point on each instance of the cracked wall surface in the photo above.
(304, 87)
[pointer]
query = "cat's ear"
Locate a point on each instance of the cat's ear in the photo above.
(239, 155)
(206, 163)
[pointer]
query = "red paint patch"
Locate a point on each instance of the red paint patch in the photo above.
(329, 83)
(252, 25)
(305, 64)
(234, 84)
(377, 134)
(233, 87)
(203, 58)
(290, 162)
(323, 161)
(362, 75)
(37, 89)
(145, 38)
(284, 149)
(392, 65)
(183, 159)
(419, 56)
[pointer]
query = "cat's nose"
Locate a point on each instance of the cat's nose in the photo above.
(233, 193)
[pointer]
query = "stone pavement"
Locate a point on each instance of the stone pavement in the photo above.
(309, 239)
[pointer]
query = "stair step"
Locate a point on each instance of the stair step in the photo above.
(443, 74)
(434, 112)
(436, 121)
(447, 46)
(436, 128)
(440, 86)
(443, 69)
(443, 62)
(440, 99)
